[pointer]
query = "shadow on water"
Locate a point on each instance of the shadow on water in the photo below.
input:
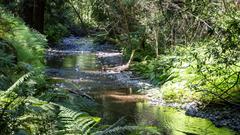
(115, 99)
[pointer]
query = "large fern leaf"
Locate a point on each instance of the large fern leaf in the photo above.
(75, 123)
(19, 82)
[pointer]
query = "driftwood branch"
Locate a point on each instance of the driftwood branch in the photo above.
(122, 67)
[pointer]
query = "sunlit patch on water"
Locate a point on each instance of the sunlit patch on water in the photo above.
(118, 96)
(175, 122)
(72, 69)
(134, 107)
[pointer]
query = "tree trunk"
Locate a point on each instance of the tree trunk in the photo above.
(225, 5)
(27, 12)
(156, 41)
(6, 2)
(122, 67)
(125, 22)
(33, 13)
(38, 17)
(77, 13)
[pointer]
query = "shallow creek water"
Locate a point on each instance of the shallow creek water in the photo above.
(81, 61)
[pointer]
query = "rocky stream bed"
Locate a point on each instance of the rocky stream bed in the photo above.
(81, 61)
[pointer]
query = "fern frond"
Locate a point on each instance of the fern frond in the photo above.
(117, 130)
(19, 82)
(123, 130)
(73, 122)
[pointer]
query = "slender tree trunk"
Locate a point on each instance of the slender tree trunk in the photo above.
(225, 5)
(173, 34)
(156, 41)
(77, 13)
(125, 19)
(143, 41)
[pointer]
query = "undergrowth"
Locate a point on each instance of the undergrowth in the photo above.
(207, 71)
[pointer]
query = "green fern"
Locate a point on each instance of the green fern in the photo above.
(19, 82)
(117, 129)
(123, 130)
(29, 44)
(72, 122)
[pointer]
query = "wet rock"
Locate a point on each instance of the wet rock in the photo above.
(220, 115)
(191, 108)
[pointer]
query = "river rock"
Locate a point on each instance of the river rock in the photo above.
(191, 108)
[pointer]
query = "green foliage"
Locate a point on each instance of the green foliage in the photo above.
(190, 49)
(57, 20)
(198, 44)
(22, 52)
(12, 103)
(25, 114)
(196, 74)
(55, 32)
(157, 70)
(72, 122)
(6, 63)
(27, 104)
(28, 44)
(22, 49)
(219, 63)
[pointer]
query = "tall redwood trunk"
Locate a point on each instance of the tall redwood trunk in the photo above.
(27, 12)
(5, 2)
(33, 13)
(38, 17)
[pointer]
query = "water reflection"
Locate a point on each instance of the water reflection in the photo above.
(117, 104)
(176, 122)
(118, 101)
(80, 62)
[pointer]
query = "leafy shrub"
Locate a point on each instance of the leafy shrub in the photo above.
(157, 70)
(55, 32)
(196, 72)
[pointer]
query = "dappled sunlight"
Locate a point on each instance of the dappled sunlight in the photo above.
(118, 96)
(108, 54)
(119, 100)
(175, 121)
(119, 67)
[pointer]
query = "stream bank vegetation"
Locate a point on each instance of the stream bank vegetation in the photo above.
(189, 48)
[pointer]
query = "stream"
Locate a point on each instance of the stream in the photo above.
(78, 64)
